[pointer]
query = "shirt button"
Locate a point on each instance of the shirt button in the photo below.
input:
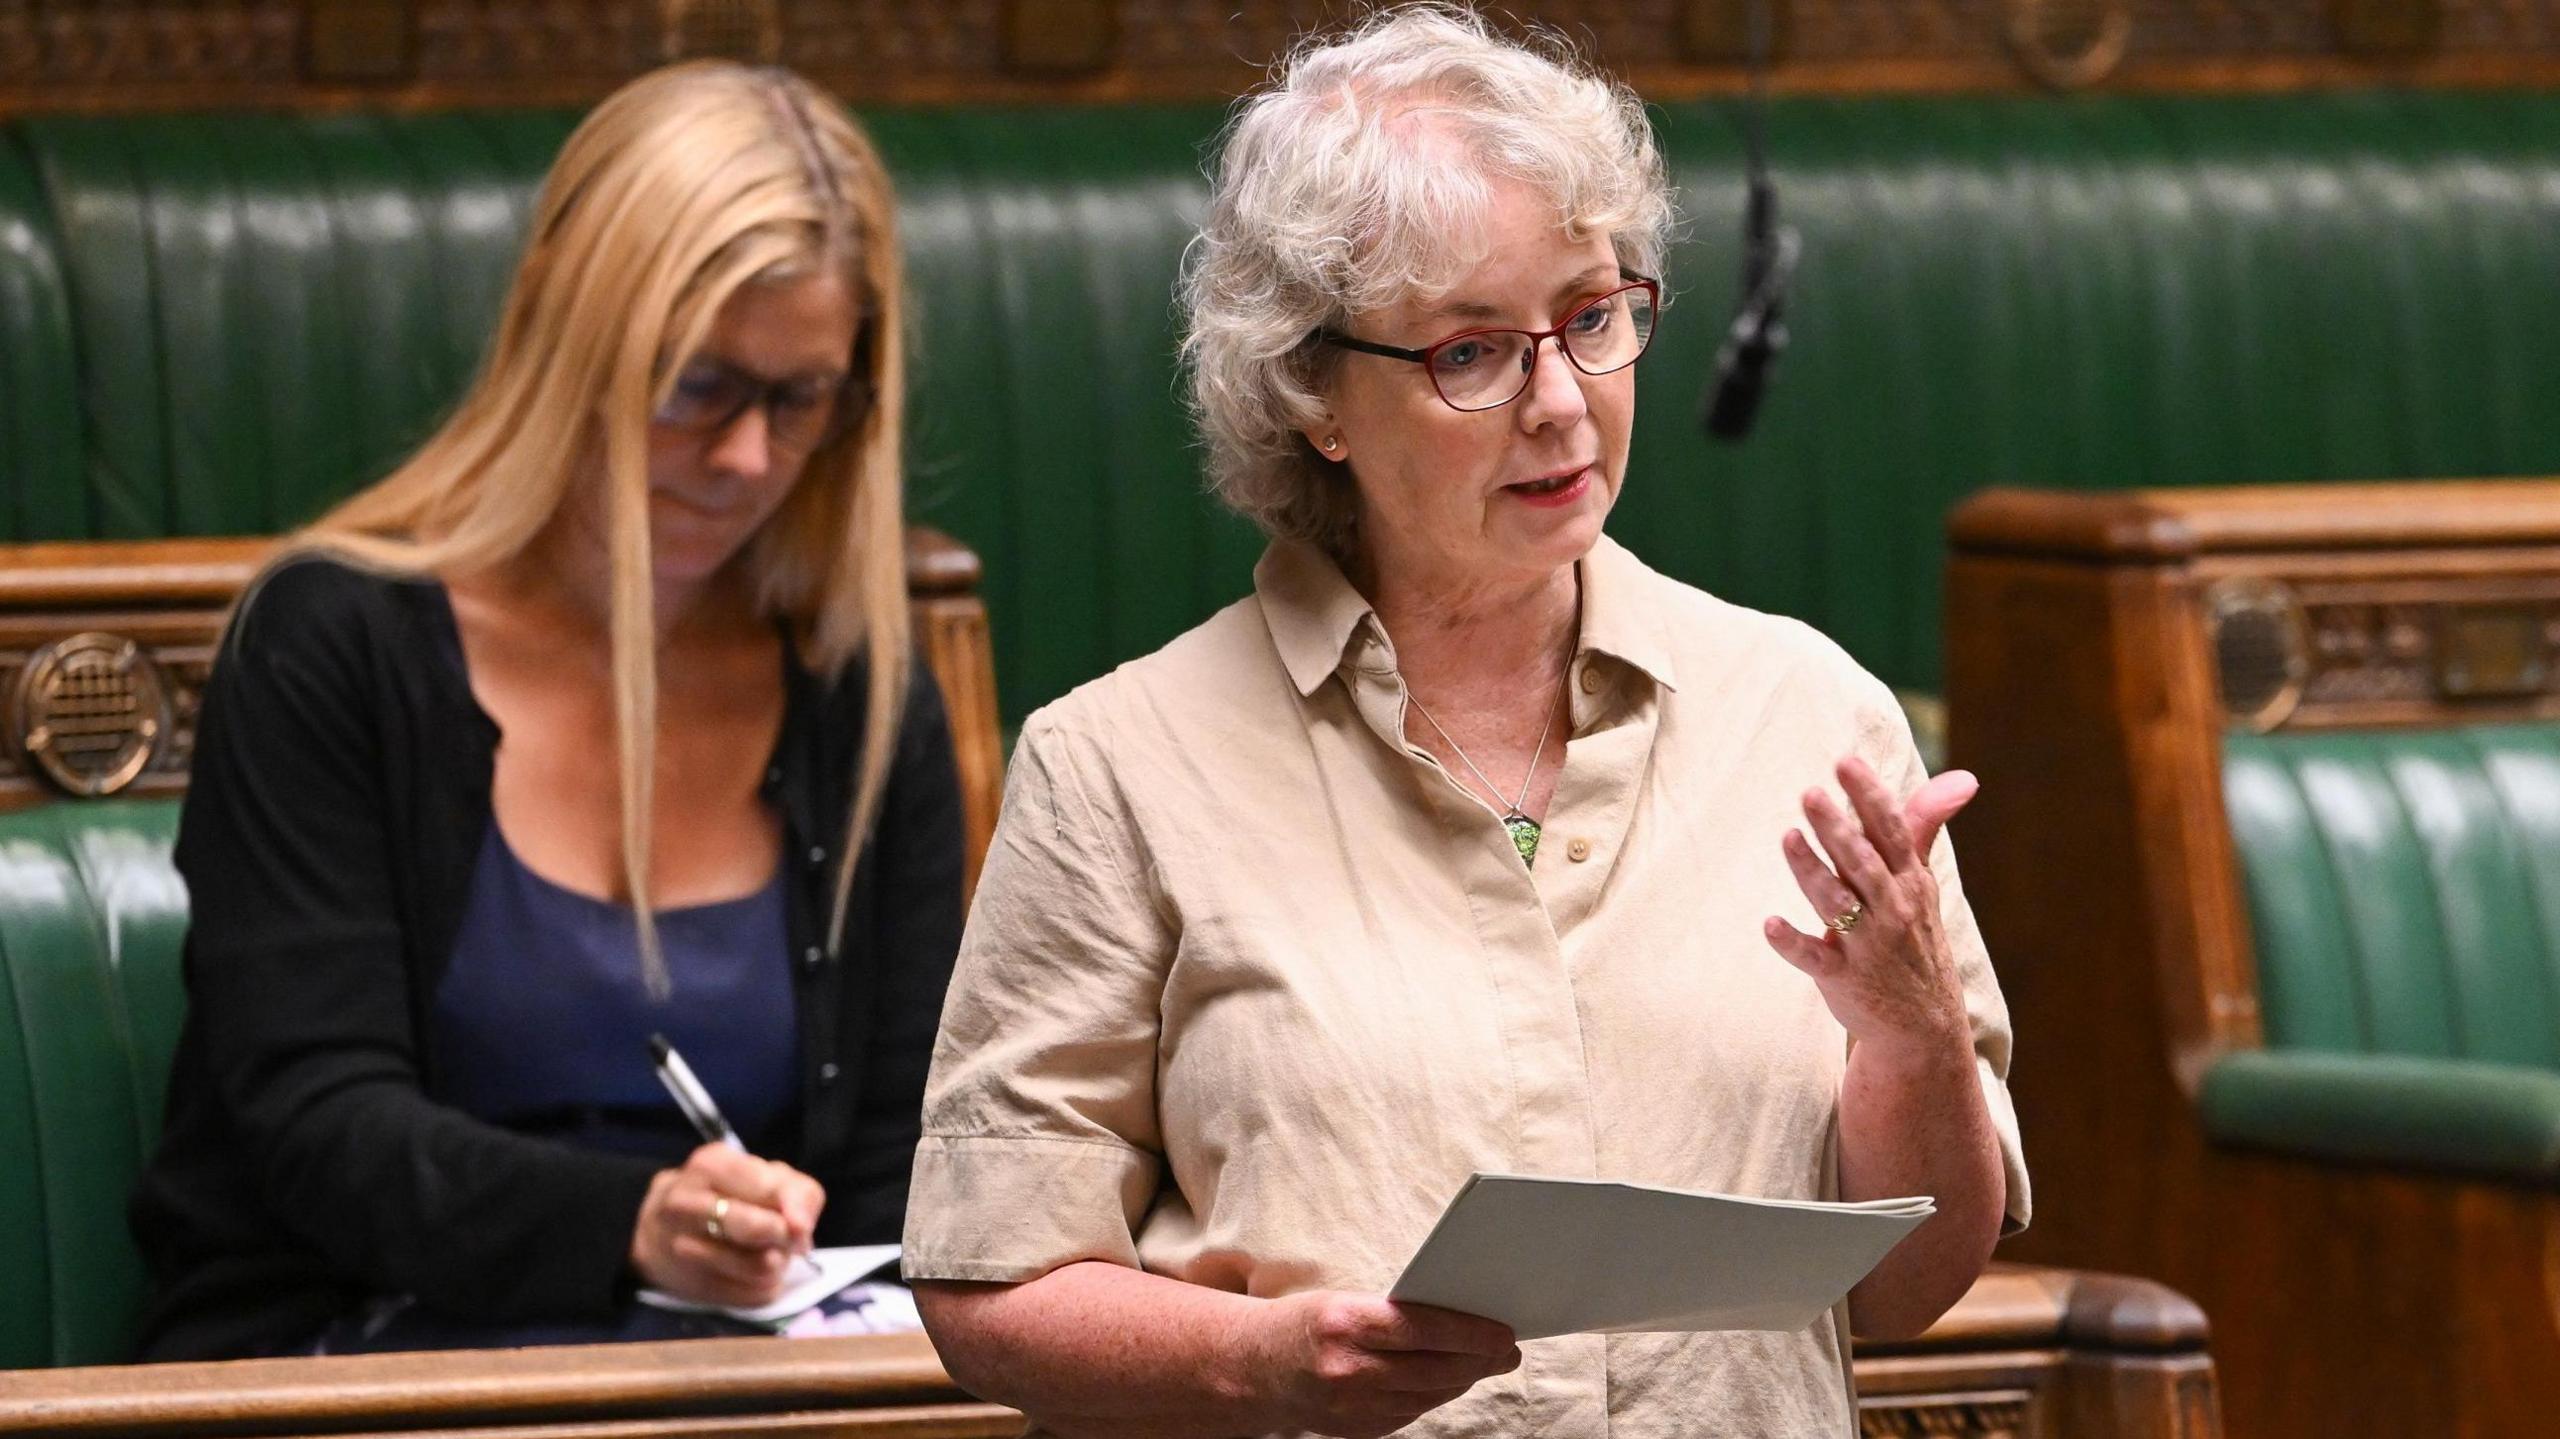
(1578, 850)
(817, 854)
(812, 956)
(827, 1072)
(1590, 678)
(773, 775)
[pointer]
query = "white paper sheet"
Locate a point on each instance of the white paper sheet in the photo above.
(828, 1271)
(1574, 1256)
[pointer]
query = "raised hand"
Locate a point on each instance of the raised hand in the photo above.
(1882, 961)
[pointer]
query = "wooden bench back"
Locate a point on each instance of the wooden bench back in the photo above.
(104, 651)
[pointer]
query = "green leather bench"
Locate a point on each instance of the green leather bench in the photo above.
(213, 324)
(91, 914)
(2404, 900)
(90, 917)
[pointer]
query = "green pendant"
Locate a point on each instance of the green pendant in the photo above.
(1524, 836)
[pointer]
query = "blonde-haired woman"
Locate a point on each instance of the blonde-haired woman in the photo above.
(595, 720)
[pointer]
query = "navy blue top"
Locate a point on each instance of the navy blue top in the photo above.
(542, 1020)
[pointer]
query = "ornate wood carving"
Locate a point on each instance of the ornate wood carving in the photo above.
(2393, 649)
(1718, 32)
(146, 44)
(1967, 1417)
(736, 29)
(145, 54)
(482, 45)
(2388, 27)
(360, 40)
(1059, 35)
(172, 654)
(2070, 44)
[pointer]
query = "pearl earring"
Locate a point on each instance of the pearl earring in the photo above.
(1332, 443)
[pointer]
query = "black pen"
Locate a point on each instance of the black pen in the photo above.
(690, 1096)
(696, 1103)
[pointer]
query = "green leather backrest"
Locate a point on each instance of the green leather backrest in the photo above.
(264, 311)
(2404, 888)
(40, 432)
(91, 916)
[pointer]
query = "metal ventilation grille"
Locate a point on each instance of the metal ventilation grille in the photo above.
(2261, 654)
(91, 712)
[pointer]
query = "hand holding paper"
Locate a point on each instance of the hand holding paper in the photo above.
(1573, 1256)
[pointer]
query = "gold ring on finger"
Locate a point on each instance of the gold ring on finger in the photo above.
(1847, 919)
(719, 1212)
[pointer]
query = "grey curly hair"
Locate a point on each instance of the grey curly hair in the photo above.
(1354, 180)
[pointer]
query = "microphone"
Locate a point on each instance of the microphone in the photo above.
(1759, 333)
(1769, 252)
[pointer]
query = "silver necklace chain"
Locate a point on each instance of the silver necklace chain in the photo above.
(1518, 808)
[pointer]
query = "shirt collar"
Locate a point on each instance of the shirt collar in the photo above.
(1314, 613)
(1312, 610)
(1622, 614)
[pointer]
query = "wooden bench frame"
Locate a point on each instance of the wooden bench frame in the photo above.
(2028, 1354)
(2085, 687)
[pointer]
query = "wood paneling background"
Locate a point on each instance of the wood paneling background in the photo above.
(58, 55)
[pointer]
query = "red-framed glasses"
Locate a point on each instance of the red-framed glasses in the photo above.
(1487, 369)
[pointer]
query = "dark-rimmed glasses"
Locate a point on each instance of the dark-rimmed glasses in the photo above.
(1487, 369)
(800, 414)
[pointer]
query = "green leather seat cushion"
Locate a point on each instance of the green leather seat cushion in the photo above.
(2491, 1120)
(2404, 901)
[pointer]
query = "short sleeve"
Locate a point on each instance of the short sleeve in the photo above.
(1040, 1141)
(1885, 741)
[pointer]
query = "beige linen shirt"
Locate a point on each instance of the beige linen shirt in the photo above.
(1251, 985)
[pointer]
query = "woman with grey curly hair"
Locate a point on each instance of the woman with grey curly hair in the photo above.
(1461, 845)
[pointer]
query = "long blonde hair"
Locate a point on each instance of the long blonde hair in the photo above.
(683, 186)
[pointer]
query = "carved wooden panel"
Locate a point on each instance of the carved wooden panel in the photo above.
(105, 650)
(1969, 1416)
(127, 54)
(174, 647)
(147, 43)
(478, 43)
(2385, 649)
(951, 40)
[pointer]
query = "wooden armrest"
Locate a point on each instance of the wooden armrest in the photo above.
(2044, 1353)
(885, 1383)
(2029, 1351)
(2030, 1306)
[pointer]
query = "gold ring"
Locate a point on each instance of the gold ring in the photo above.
(719, 1211)
(1845, 922)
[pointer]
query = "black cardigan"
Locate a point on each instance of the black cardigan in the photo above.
(338, 801)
